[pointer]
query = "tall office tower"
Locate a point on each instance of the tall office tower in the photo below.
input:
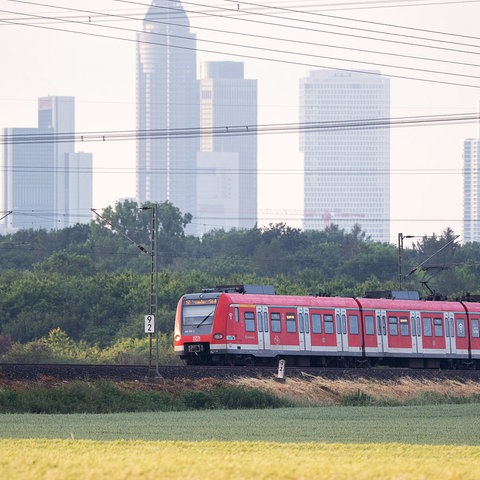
(58, 115)
(471, 192)
(167, 108)
(346, 165)
(40, 171)
(228, 194)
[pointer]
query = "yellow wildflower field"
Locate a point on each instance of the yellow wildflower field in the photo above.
(35, 459)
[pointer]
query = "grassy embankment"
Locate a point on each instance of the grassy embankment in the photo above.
(50, 396)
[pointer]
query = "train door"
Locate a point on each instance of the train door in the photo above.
(341, 322)
(262, 327)
(305, 340)
(416, 332)
(382, 330)
(450, 344)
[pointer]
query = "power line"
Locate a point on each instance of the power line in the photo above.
(266, 37)
(291, 62)
(242, 130)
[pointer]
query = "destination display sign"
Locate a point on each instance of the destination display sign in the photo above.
(200, 301)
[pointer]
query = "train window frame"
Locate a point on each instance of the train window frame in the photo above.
(328, 324)
(460, 327)
(306, 322)
(393, 326)
(369, 325)
(427, 327)
(438, 327)
(291, 322)
(316, 322)
(353, 324)
(265, 322)
(475, 328)
(275, 322)
(404, 327)
(249, 322)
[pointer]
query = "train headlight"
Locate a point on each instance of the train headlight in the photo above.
(177, 338)
(218, 336)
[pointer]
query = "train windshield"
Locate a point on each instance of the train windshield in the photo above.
(198, 315)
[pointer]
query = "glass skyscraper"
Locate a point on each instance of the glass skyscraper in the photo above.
(471, 192)
(227, 99)
(167, 108)
(44, 182)
(346, 161)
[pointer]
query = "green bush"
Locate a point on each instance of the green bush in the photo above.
(107, 397)
(358, 399)
(83, 397)
(232, 398)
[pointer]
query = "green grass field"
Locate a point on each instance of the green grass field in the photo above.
(433, 425)
(437, 442)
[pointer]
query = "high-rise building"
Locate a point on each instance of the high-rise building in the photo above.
(227, 101)
(346, 162)
(471, 190)
(167, 108)
(42, 177)
(80, 191)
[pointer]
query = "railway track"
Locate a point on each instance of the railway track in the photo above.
(70, 372)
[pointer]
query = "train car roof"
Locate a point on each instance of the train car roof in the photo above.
(430, 305)
(472, 307)
(291, 300)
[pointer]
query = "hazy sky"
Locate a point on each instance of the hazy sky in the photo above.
(279, 41)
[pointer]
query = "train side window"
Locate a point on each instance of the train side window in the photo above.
(475, 330)
(369, 325)
(404, 331)
(275, 320)
(353, 324)
(249, 318)
(236, 315)
(438, 327)
(393, 326)
(427, 326)
(265, 322)
(328, 323)
(291, 323)
(301, 327)
(460, 327)
(316, 323)
(306, 323)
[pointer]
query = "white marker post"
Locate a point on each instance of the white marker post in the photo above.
(281, 371)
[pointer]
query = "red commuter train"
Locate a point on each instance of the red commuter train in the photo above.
(250, 324)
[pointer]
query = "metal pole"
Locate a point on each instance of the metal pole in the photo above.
(400, 260)
(155, 268)
(154, 286)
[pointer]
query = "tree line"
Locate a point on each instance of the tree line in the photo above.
(92, 281)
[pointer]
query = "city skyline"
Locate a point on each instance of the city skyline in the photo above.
(426, 161)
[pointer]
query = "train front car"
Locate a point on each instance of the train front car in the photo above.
(194, 322)
(202, 319)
